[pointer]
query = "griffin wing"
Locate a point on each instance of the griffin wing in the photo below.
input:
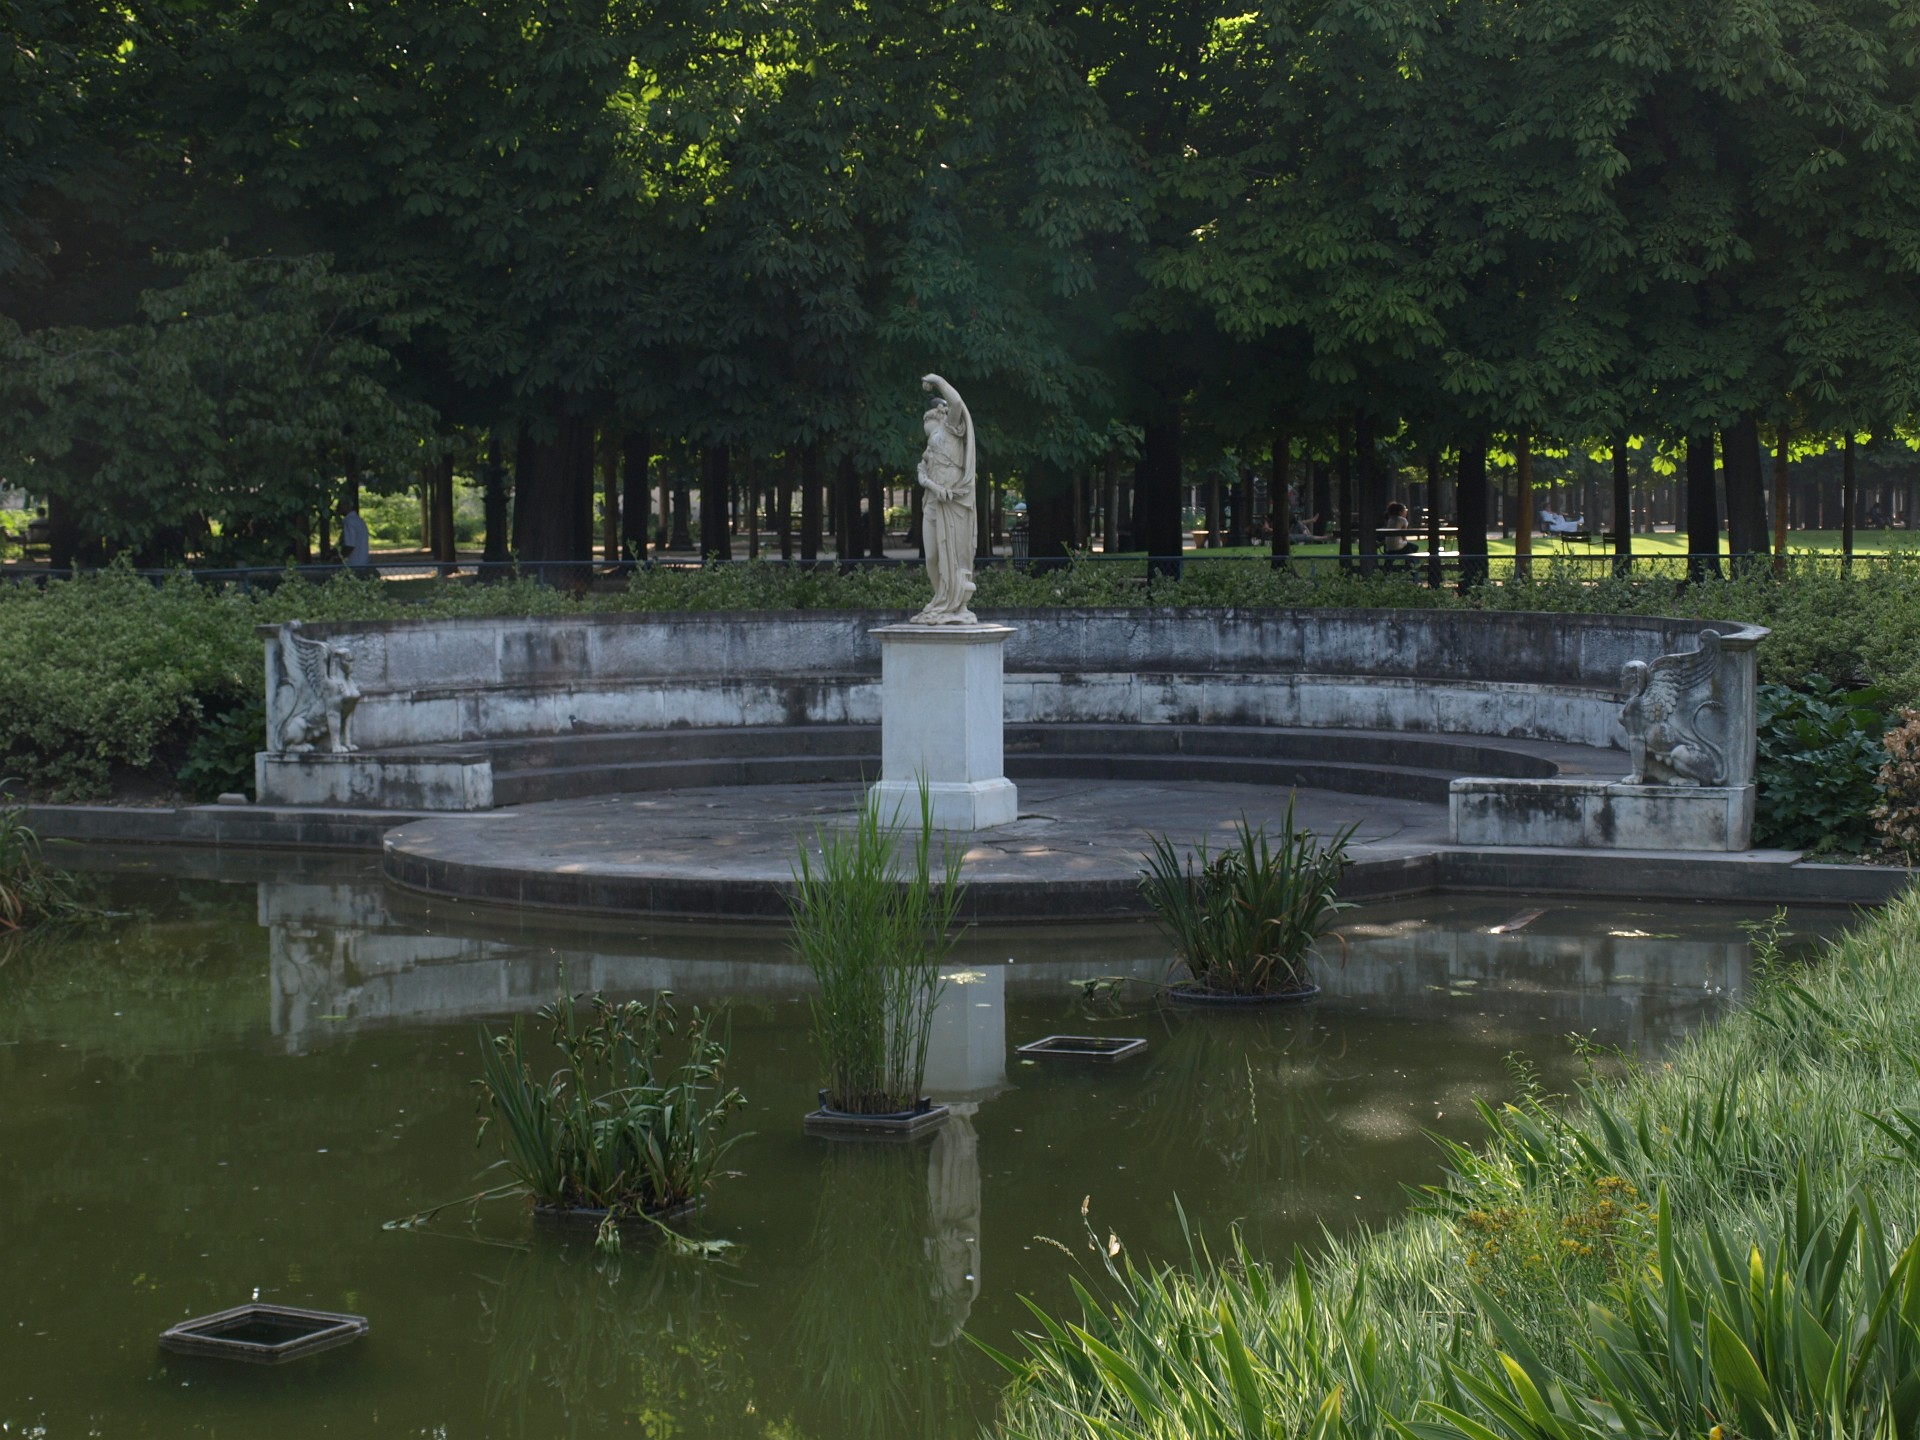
(309, 659)
(1694, 667)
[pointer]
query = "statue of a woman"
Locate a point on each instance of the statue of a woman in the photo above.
(947, 521)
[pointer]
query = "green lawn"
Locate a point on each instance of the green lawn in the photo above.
(1661, 542)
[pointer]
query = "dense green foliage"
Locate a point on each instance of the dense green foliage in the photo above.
(1182, 234)
(1721, 1239)
(1817, 756)
(109, 674)
(616, 1127)
(1245, 921)
(872, 932)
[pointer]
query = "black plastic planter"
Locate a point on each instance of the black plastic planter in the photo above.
(263, 1334)
(900, 1125)
(587, 1219)
(1099, 1049)
(1190, 994)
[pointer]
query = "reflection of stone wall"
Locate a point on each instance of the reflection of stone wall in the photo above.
(347, 955)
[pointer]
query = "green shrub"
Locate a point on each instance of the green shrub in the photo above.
(1897, 818)
(1818, 753)
(1244, 922)
(615, 1127)
(873, 939)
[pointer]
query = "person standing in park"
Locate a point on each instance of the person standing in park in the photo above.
(948, 521)
(355, 543)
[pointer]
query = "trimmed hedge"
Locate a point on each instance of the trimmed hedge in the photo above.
(110, 673)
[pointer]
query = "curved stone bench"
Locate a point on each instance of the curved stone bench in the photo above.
(449, 708)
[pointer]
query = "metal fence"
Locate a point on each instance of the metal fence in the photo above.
(1416, 569)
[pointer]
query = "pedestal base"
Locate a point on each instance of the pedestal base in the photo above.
(975, 805)
(1601, 814)
(942, 719)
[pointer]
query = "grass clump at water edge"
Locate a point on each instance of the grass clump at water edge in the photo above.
(1724, 1240)
(32, 892)
(873, 938)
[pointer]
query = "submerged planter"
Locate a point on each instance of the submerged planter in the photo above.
(898, 1125)
(587, 1218)
(263, 1334)
(1101, 1049)
(1192, 994)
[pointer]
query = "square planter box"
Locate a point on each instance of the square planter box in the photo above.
(1101, 1049)
(902, 1125)
(263, 1334)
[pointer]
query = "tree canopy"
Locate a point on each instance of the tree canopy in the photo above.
(1152, 231)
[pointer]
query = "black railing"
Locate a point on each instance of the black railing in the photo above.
(1414, 569)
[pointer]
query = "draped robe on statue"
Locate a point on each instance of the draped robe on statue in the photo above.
(948, 523)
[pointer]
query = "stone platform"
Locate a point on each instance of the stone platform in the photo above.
(1074, 853)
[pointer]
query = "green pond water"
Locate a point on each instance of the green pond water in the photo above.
(226, 1094)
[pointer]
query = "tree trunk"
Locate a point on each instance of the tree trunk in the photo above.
(1703, 511)
(1848, 475)
(523, 484)
(560, 473)
(1279, 500)
(847, 528)
(1372, 509)
(1746, 500)
(440, 487)
(876, 516)
(1470, 507)
(1158, 483)
(716, 465)
(1343, 518)
(680, 535)
(1622, 509)
(1049, 514)
(1433, 519)
(810, 502)
(636, 500)
(610, 495)
(493, 481)
(1782, 489)
(1110, 503)
(1523, 507)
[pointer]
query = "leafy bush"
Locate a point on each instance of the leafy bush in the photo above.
(219, 759)
(874, 940)
(1245, 922)
(1818, 752)
(615, 1128)
(1897, 817)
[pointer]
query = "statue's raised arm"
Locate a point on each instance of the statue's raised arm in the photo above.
(947, 521)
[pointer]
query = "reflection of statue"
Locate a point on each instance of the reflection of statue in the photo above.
(1675, 720)
(947, 521)
(313, 694)
(953, 1221)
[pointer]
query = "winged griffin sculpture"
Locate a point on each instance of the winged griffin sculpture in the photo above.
(313, 695)
(1677, 725)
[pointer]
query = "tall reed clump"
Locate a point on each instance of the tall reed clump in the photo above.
(1722, 1243)
(616, 1126)
(31, 891)
(874, 939)
(1245, 922)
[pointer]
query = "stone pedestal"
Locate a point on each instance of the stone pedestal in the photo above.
(1601, 814)
(941, 722)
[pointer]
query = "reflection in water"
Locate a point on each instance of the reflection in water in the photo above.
(270, 1139)
(883, 1297)
(644, 1338)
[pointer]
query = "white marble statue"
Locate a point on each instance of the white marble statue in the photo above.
(947, 522)
(1676, 717)
(311, 702)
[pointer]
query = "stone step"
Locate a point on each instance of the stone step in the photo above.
(1350, 761)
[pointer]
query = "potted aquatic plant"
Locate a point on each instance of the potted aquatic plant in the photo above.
(874, 932)
(617, 1132)
(1244, 922)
